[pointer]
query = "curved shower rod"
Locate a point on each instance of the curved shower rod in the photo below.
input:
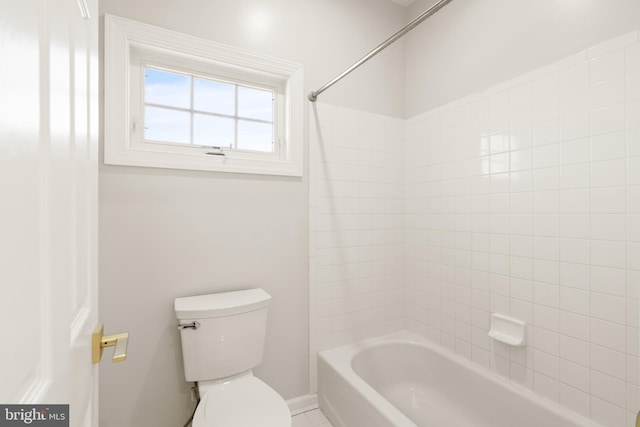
(313, 96)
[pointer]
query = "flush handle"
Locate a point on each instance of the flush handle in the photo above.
(193, 325)
(99, 342)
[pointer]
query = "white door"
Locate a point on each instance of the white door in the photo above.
(48, 203)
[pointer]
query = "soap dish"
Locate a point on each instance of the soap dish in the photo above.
(507, 330)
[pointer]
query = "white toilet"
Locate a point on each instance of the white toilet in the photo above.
(222, 341)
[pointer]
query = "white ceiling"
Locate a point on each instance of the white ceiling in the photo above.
(403, 2)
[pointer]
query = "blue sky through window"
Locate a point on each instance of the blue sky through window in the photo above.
(170, 89)
(184, 109)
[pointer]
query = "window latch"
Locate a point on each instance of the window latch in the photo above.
(134, 124)
(215, 151)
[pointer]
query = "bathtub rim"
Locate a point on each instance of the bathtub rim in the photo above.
(341, 359)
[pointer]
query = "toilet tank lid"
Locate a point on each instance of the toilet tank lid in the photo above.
(220, 304)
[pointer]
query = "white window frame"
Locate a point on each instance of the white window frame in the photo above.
(129, 45)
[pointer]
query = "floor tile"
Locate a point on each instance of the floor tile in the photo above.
(313, 418)
(316, 417)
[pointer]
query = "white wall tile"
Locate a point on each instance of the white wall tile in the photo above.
(575, 375)
(608, 146)
(546, 155)
(609, 362)
(547, 224)
(546, 386)
(633, 175)
(575, 275)
(546, 202)
(610, 281)
(575, 251)
(633, 256)
(546, 317)
(606, 413)
(632, 109)
(611, 173)
(576, 351)
(608, 307)
(546, 248)
(608, 253)
(608, 388)
(607, 66)
(632, 56)
(576, 400)
(574, 98)
(608, 119)
(576, 124)
(521, 160)
(633, 142)
(546, 132)
(575, 300)
(575, 201)
(521, 137)
(632, 86)
(608, 227)
(608, 200)
(575, 151)
(575, 176)
(608, 92)
(608, 334)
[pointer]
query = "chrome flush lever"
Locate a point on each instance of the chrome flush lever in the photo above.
(192, 325)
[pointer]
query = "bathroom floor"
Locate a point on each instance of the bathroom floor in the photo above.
(313, 418)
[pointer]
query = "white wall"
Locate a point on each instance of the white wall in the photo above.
(471, 45)
(165, 234)
(524, 200)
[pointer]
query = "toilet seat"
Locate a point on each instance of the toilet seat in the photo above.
(242, 402)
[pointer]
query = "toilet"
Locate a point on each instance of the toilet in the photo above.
(222, 341)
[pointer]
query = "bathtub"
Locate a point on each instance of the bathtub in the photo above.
(403, 380)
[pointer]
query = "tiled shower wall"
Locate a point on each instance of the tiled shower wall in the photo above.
(525, 200)
(357, 227)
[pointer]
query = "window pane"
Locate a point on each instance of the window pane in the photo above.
(214, 97)
(166, 125)
(255, 136)
(213, 131)
(255, 103)
(164, 88)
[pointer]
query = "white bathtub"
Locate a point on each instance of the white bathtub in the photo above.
(402, 380)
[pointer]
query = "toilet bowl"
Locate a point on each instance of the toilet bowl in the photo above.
(222, 339)
(241, 402)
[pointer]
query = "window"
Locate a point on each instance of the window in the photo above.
(185, 109)
(175, 101)
(183, 106)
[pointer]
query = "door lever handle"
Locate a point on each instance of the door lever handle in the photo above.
(99, 342)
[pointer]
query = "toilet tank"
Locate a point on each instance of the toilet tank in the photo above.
(224, 334)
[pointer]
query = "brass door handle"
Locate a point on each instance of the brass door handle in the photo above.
(99, 341)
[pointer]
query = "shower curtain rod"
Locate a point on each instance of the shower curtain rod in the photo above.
(313, 96)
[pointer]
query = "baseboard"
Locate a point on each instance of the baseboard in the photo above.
(304, 403)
